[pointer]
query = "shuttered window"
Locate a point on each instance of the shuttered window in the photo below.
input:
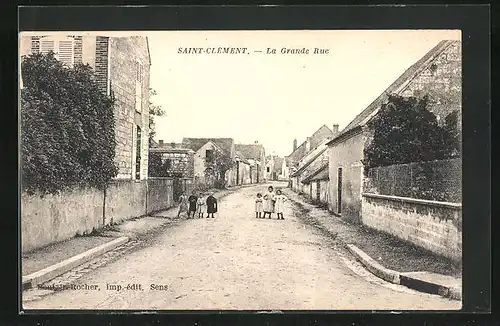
(62, 47)
(138, 87)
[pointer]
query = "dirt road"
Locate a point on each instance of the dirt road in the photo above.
(236, 261)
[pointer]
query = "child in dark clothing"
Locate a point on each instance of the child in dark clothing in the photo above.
(192, 204)
(211, 205)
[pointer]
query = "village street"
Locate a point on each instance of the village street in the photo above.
(236, 261)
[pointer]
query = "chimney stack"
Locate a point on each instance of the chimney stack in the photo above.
(294, 144)
(256, 142)
(335, 130)
(172, 144)
(308, 144)
(160, 141)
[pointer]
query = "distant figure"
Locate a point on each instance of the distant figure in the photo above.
(211, 205)
(183, 204)
(192, 204)
(199, 205)
(259, 206)
(280, 203)
(269, 202)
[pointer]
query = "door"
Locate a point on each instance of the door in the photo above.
(339, 191)
(318, 191)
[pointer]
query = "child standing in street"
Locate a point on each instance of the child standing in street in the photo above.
(183, 204)
(269, 202)
(192, 204)
(280, 203)
(211, 205)
(199, 205)
(258, 206)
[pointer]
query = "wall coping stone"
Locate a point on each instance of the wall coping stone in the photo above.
(455, 206)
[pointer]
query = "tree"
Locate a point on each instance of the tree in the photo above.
(404, 130)
(67, 127)
(154, 110)
(217, 167)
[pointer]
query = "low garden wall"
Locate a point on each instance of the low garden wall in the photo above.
(55, 218)
(432, 225)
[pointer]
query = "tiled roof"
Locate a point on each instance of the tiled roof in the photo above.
(317, 137)
(319, 174)
(196, 143)
(307, 163)
(407, 76)
(251, 151)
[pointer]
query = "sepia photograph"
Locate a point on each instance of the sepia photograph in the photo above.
(256, 170)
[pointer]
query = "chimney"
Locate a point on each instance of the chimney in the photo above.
(294, 144)
(256, 142)
(160, 141)
(172, 144)
(335, 130)
(308, 144)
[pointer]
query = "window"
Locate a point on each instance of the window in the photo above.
(62, 47)
(168, 164)
(138, 87)
(138, 155)
(209, 155)
(268, 169)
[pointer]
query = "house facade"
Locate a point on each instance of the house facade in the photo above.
(438, 75)
(316, 184)
(171, 161)
(122, 69)
(255, 154)
(313, 156)
(292, 161)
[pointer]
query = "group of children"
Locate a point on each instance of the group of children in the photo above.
(264, 205)
(270, 203)
(195, 205)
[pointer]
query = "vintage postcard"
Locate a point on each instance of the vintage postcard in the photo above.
(241, 170)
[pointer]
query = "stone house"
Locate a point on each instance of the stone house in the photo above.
(292, 161)
(176, 162)
(316, 184)
(438, 74)
(256, 156)
(121, 65)
(122, 69)
(312, 159)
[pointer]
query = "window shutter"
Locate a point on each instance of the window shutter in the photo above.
(66, 52)
(138, 96)
(46, 46)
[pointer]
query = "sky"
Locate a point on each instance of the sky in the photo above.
(275, 98)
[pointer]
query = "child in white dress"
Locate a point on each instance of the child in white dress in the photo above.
(200, 203)
(259, 206)
(280, 203)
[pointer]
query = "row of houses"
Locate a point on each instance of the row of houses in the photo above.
(248, 167)
(328, 166)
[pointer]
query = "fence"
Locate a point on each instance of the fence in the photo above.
(433, 180)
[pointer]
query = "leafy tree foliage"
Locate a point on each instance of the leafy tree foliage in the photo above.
(404, 131)
(218, 166)
(67, 127)
(154, 110)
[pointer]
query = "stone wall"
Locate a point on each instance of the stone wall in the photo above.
(442, 81)
(125, 199)
(160, 194)
(435, 226)
(54, 218)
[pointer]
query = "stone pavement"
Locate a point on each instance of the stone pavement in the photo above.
(236, 261)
